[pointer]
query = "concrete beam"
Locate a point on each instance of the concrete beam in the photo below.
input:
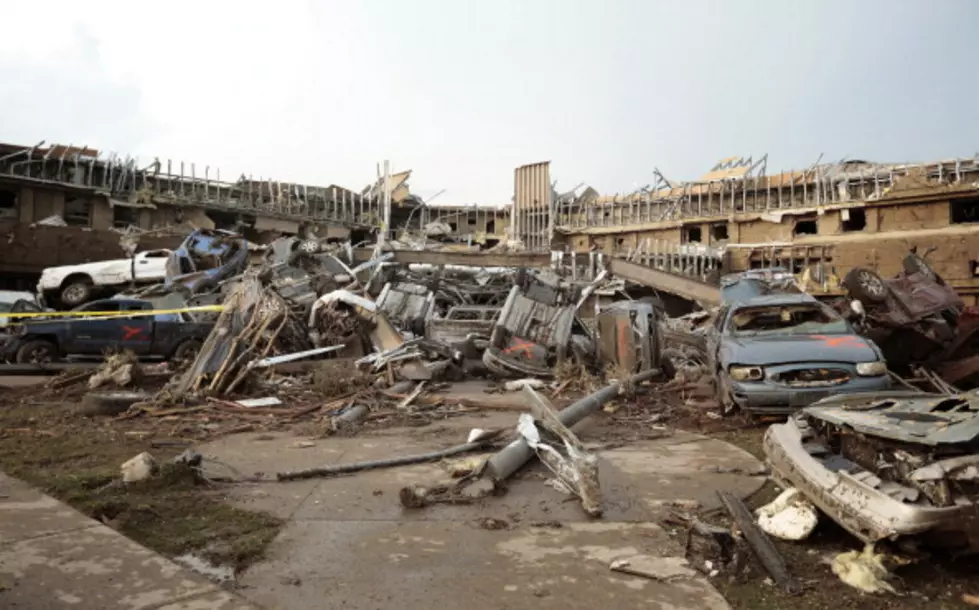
(688, 288)
(470, 259)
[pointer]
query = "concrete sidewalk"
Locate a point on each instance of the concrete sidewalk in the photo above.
(52, 556)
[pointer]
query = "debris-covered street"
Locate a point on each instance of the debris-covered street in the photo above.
(394, 306)
(385, 433)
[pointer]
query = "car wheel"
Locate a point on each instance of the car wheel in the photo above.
(186, 352)
(37, 352)
(310, 246)
(865, 285)
(76, 292)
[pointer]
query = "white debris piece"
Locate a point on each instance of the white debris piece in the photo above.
(519, 384)
(138, 468)
(790, 516)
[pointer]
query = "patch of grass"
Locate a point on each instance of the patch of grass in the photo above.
(75, 458)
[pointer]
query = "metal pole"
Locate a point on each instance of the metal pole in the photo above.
(503, 464)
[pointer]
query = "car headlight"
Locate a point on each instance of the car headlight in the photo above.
(746, 373)
(871, 369)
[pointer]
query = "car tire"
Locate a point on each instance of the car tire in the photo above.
(76, 292)
(38, 351)
(865, 285)
(109, 403)
(187, 351)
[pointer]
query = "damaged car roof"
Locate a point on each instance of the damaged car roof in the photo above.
(928, 419)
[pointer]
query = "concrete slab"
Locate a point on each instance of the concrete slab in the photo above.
(92, 568)
(54, 557)
(27, 513)
(423, 565)
(395, 558)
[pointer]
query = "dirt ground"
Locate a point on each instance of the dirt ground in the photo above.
(74, 458)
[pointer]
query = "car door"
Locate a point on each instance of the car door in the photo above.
(150, 266)
(91, 336)
(135, 332)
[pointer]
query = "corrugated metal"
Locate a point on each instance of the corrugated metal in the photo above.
(531, 204)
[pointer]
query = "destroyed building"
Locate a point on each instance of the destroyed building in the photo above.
(818, 222)
(62, 205)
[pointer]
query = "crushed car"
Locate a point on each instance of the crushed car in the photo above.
(775, 353)
(532, 333)
(887, 465)
(205, 258)
(629, 339)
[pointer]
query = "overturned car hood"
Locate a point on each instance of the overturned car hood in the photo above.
(924, 419)
(764, 350)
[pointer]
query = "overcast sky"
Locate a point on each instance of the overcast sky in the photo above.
(462, 92)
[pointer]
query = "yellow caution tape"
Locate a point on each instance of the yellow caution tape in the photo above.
(109, 314)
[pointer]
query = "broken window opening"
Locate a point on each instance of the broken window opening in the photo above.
(8, 205)
(78, 212)
(806, 226)
(974, 267)
(691, 235)
(718, 232)
(453, 226)
(786, 320)
(471, 222)
(964, 211)
(123, 217)
(491, 226)
(853, 220)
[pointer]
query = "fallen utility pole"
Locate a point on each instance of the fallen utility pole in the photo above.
(327, 471)
(502, 465)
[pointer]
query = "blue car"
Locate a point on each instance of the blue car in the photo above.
(776, 353)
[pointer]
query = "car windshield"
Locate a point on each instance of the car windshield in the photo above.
(804, 319)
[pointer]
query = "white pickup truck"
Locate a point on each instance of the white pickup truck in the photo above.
(72, 285)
